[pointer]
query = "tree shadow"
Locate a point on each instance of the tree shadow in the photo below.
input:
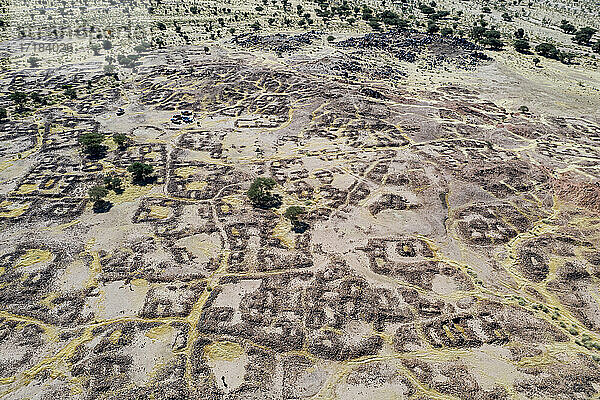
(268, 201)
(299, 226)
(143, 181)
(102, 206)
(97, 152)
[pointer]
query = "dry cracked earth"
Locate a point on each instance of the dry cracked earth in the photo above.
(452, 249)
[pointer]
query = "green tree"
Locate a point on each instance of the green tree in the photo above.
(95, 47)
(293, 214)
(584, 35)
(522, 46)
(34, 61)
(140, 48)
(567, 27)
(121, 140)
(492, 40)
(547, 50)
(92, 143)
(38, 98)
(109, 70)
(106, 44)
(3, 114)
(374, 24)
(140, 171)
(520, 33)
(255, 26)
(427, 10)
(566, 57)
(97, 195)
(113, 183)
(440, 14)
(391, 18)
(71, 93)
(477, 32)
(596, 47)
(432, 27)
(495, 44)
(260, 193)
(446, 31)
(492, 34)
(19, 98)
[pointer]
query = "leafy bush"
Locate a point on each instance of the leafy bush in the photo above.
(375, 25)
(522, 46)
(121, 140)
(113, 183)
(492, 34)
(19, 98)
(493, 43)
(92, 143)
(34, 62)
(293, 212)
(140, 171)
(260, 193)
(477, 32)
(446, 31)
(71, 93)
(432, 27)
(425, 9)
(567, 27)
(547, 50)
(584, 35)
(97, 194)
(393, 19)
(520, 33)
